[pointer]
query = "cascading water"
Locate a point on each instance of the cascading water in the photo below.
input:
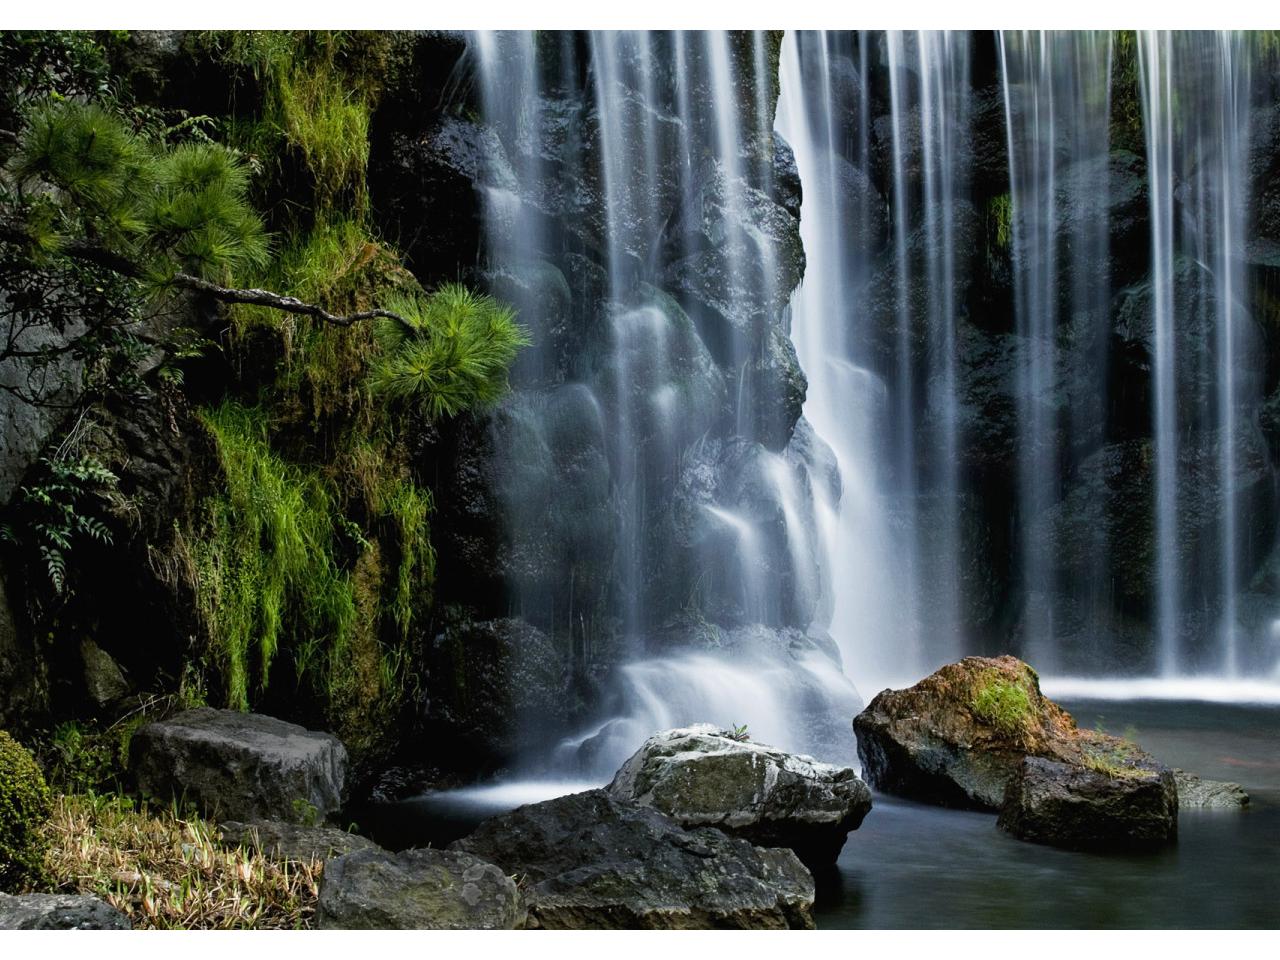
(1028, 327)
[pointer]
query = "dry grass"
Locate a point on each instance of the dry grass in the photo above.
(169, 872)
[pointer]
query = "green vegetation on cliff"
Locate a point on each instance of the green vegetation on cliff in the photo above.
(24, 810)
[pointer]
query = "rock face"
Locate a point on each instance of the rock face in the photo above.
(416, 890)
(1196, 793)
(240, 766)
(958, 736)
(290, 841)
(1071, 806)
(590, 861)
(53, 911)
(703, 778)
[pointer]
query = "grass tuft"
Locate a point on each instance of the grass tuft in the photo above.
(1004, 705)
(168, 872)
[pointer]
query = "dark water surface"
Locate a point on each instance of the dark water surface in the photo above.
(916, 866)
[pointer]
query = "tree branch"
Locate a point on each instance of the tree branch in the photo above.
(252, 296)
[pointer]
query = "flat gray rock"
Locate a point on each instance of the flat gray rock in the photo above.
(1196, 793)
(59, 911)
(416, 890)
(702, 777)
(240, 766)
(291, 841)
(588, 861)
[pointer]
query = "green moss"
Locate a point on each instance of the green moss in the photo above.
(1002, 704)
(1000, 221)
(266, 564)
(25, 806)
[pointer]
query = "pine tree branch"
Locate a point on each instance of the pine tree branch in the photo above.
(253, 296)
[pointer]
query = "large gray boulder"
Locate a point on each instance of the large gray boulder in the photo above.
(702, 777)
(240, 766)
(1072, 806)
(416, 890)
(292, 841)
(58, 911)
(588, 861)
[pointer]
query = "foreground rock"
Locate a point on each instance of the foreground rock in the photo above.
(702, 777)
(958, 736)
(416, 890)
(240, 766)
(588, 861)
(55, 911)
(1072, 806)
(291, 841)
(1196, 793)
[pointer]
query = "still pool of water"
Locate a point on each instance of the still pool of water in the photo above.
(915, 866)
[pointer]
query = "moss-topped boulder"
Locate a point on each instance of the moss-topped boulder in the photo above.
(958, 736)
(24, 810)
(704, 777)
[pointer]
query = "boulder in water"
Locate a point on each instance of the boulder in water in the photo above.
(958, 736)
(704, 777)
(242, 766)
(589, 861)
(416, 890)
(1074, 806)
(1196, 793)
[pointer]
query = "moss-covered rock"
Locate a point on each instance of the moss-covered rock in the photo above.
(958, 736)
(24, 809)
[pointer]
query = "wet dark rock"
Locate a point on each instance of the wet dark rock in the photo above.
(496, 688)
(240, 766)
(58, 911)
(592, 862)
(1196, 793)
(1071, 806)
(103, 679)
(702, 777)
(937, 742)
(416, 890)
(292, 841)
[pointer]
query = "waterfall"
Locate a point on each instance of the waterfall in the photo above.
(1196, 102)
(1057, 107)
(859, 352)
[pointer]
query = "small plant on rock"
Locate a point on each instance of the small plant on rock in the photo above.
(738, 733)
(1004, 705)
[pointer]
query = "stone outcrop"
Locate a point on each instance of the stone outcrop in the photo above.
(702, 777)
(416, 890)
(1072, 806)
(958, 736)
(292, 841)
(241, 766)
(1196, 793)
(590, 861)
(57, 911)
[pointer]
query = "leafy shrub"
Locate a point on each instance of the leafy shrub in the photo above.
(1004, 705)
(24, 811)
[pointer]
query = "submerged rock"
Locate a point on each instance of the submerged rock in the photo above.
(702, 777)
(1073, 806)
(590, 861)
(56, 911)
(242, 766)
(416, 890)
(291, 841)
(1196, 793)
(958, 736)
